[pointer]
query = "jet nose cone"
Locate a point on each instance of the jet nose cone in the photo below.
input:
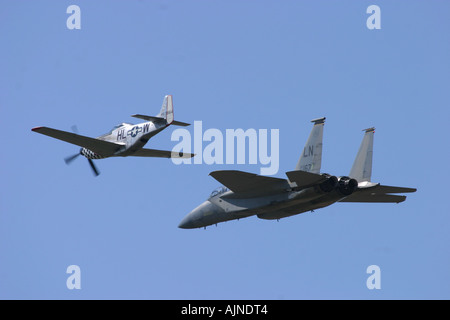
(193, 219)
(186, 223)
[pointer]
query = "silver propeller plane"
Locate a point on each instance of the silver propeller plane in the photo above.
(124, 139)
(246, 194)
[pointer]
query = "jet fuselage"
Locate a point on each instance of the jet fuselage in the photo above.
(306, 189)
(227, 206)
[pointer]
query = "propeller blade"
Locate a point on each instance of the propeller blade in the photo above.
(68, 160)
(93, 167)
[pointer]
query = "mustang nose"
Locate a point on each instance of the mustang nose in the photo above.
(192, 220)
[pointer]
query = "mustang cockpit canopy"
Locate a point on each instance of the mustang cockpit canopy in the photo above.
(117, 126)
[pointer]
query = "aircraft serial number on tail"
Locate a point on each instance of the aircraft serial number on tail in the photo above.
(310, 151)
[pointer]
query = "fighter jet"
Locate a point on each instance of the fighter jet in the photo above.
(124, 139)
(246, 194)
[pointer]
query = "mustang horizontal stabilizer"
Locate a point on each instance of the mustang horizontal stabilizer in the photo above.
(101, 147)
(305, 179)
(249, 183)
(165, 115)
(152, 118)
(161, 154)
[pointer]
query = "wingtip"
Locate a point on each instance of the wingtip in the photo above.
(36, 128)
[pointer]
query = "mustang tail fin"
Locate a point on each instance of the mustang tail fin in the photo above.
(311, 158)
(166, 111)
(362, 166)
(165, 114)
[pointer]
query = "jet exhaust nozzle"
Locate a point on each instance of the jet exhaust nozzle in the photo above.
(347, 185)
(329, 184)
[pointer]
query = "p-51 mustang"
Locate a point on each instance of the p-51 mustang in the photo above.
(246, 194)
(124, 139)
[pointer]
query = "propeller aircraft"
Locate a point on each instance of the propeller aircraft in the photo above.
(124, 139)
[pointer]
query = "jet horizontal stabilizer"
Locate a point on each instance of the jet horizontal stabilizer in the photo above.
(389, 189)
(378, 193)
(382, 198)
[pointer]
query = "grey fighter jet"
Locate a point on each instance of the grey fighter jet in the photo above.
(124, 139)
(246, 194)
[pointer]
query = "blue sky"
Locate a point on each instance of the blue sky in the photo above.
(229, 64)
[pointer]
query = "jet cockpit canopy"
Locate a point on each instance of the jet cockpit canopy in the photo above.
(218, 191)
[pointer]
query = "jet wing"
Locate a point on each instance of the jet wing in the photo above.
(101, 147)
(161, 154)
(378, 193)
(305, 179)
(249, 184)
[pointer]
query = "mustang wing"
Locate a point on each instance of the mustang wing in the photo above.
(100, 147)
(249, 184)
(161, 154)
